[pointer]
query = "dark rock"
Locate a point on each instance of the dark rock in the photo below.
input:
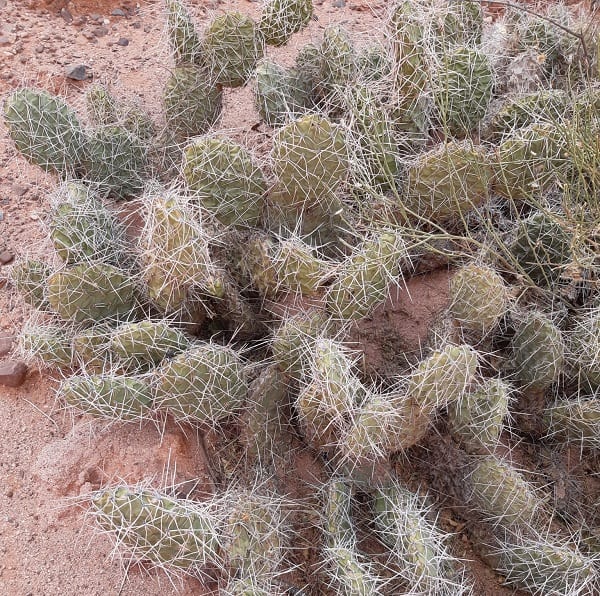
(6, 257)
(6, 343)
(77, 72)
(118, 12)
(66, 15)
(123, 41)
(100, 31)
(12, 373)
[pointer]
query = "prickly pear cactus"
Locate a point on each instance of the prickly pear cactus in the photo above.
(528, 162)
(255, 534)
(92, 292)
(542, 565)
(583, 351)
(575, 421)
(46, 345)
(91, 349)
(280, 19)
(193, 102)
(338, 58)
(443, 377)
(363, 279)
(30, 279)
(231, 47)
(542, 248)
(407, 34)
(293, 342)
(538, 352)
(287, 265)
(144, 344)
(330, 393)
(223, 176)
(477, 418)
(501, 493)
(521, 110)
(372, 131)
(167, 531)
(203, 384)
(82, 228)
(45, 130)
(463, 89)
(310, 159)
(116, 160)
(108, 396)
(416, 545)
(174, 252)
(449, 181)
(183, 38)
(281, 94)
(478, 297)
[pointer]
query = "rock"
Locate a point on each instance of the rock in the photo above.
(12, 373)
(118, 12)
(77, 72)
(6, 342)
(100, 31)
(339, 3)
(123, 41)
(6, 257)
(39, 49)
(66, 15)
(4, 40)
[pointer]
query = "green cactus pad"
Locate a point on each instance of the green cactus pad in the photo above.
(231, 47)
(89, 293)
(478, 297)
(45, 130)
(443, 377)
(584, 348)
(542, 248)
(416, 545)
(169, 532)
(82, 229)
(193, 102)
(30, 278)
(449, 181)
(542, 566)
(576, 421)
(529, 161)
(225, 180)
(365, 276)
(294, 340)
(310, 160)
(502, 494)
(477, 418)
(280, 19)
(143, 344)
(108, 396)
(47, 345)
(203, 384)
(463, 89)
(183, 38)
(538, 352)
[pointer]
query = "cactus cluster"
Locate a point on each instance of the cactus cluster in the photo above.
(235, 295)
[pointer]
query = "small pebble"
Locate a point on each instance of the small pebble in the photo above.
(117, 12)
(66, 15)
(4, 41)
(123, 41)
(339, 3)
(6, 257)
(12, 373)
(6, 343)
(100, 31)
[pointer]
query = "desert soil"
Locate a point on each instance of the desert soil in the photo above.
(50, 459)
